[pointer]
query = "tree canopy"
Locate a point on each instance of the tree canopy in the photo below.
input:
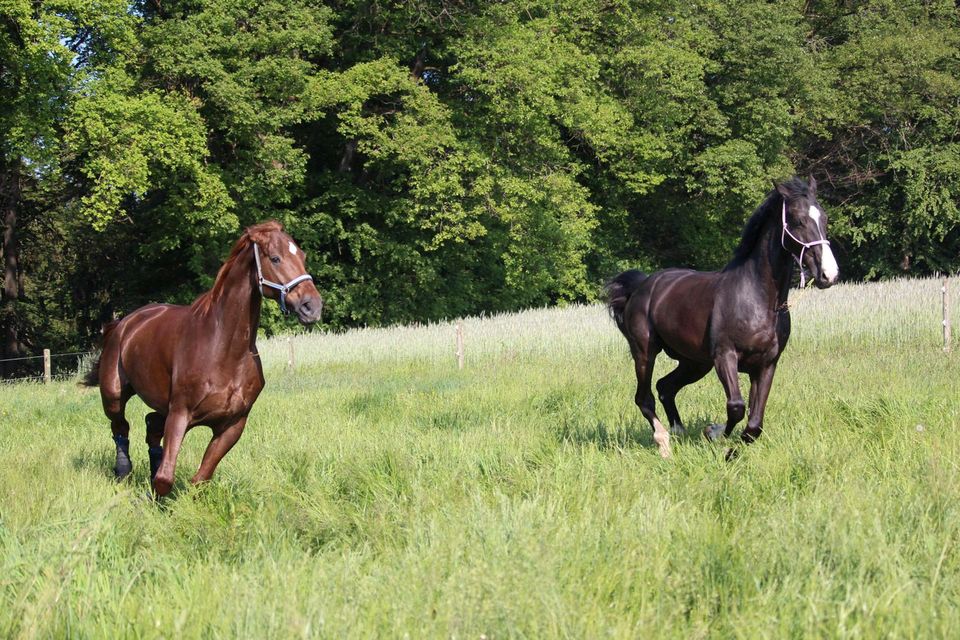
(445, 157)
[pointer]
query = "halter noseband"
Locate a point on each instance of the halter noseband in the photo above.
(803, 245)
(284, 289)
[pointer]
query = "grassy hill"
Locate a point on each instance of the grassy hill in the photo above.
(380, 491)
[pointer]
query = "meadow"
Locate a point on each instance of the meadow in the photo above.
(379, 491)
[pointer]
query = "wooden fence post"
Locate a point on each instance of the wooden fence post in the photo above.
(460, 344)
(946, 317)
(46, 366)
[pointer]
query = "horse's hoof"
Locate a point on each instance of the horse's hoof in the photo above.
(162, 486)
(714, 432)
(663, 442)
(677, 430)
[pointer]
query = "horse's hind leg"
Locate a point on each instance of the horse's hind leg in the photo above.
(669, 386)
(121, 435)
(114, 394)
(155, 422)
(643, 359)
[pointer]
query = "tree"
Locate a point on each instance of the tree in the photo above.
(46, 49)
(888, 145)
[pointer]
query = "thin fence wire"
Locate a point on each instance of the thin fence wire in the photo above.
(59, 375)
(52, 355)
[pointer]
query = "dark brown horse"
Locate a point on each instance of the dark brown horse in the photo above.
(735, 320)
(199, 364)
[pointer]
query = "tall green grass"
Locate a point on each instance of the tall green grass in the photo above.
(380, 492)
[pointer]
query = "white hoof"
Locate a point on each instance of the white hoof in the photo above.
(714, 432)
(662, 438)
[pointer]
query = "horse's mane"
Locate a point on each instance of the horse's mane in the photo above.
(795, 188)
(255, 233)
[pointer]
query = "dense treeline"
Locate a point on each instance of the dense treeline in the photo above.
(438, 158)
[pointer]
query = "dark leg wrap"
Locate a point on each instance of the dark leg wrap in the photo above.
(124, 466)
(156, 455)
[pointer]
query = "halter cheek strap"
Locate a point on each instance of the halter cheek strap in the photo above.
(803, 245)
(284, 289)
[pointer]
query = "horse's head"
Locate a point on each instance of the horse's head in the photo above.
(805, 232)
(282, 272)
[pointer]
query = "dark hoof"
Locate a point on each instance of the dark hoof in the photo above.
(123, 466)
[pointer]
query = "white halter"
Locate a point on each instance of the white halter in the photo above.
(803, 245)
(284, 289)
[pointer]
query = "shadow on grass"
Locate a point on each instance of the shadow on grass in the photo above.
(101, 464)
(631, 432)
(587, 432)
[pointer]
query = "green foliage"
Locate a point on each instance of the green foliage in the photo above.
(439, 158)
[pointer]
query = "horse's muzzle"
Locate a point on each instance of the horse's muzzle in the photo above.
(823, 281)
(308, 308)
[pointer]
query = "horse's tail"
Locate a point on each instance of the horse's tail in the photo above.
(618, 291)
(92, 377)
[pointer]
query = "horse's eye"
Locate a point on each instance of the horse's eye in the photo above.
(275, 259)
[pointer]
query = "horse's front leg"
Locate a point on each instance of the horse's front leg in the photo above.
(174, 428)
(760, 384)
(726, 366)
(223, 440)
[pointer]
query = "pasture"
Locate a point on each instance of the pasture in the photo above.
(380, 492)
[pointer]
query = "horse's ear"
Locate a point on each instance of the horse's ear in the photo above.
(782, 190)
(813, 185)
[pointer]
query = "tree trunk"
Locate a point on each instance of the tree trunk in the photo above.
(12, 286)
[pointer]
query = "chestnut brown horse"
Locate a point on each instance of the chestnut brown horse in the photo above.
(198, 364)
(734, 320)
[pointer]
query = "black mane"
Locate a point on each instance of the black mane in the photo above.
(795, 187)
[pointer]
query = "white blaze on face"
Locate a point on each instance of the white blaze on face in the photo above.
(292, 248)
(827, 262)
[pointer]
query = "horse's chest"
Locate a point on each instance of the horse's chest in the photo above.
(762, 342)
(226, 399)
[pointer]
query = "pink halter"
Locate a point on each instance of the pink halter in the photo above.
(803, 245)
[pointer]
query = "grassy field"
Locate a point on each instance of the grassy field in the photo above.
(380, 492)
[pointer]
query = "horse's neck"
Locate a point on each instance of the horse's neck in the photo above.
(771, 265)
(237, 311)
